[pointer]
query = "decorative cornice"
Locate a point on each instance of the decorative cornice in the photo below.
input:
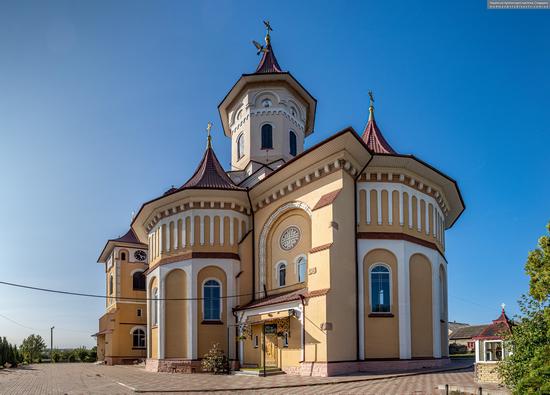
(156, 216)
(299, 182)
(399, 236)
(403, 177)
(194, 255)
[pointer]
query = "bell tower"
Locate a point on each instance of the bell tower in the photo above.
(267, 115)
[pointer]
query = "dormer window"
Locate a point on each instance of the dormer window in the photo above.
(266, 103)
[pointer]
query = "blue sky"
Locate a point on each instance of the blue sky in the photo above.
(103, 106)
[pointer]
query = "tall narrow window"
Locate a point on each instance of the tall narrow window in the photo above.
(138, 338)
(267, 136)
(240, 146)
(282, 275)
(111, 284)
(138, 281)
(292, 138)
(155, 317)
(301, 266)
(212, 301)
(380, 289)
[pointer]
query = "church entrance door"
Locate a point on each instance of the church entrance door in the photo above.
(270, 346)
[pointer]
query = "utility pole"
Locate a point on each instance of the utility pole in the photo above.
(51, 344)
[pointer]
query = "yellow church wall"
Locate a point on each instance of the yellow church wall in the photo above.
(209, 333)
(381, 332)
(276, 254)
(320, 222)
(244, 280)
(341, 300)
(316, 337)
(420, 275)
(176, 314)
(252, 356)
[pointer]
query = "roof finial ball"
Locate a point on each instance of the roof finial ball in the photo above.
(209, 138)
(371, 106)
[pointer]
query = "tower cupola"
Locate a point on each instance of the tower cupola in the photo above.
(267, 114)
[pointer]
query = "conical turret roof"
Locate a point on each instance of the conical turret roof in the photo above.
(373, 136)
(268, 62)
(209, 174)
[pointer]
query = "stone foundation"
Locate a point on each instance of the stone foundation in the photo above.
(324, 369)
(486, 373)
(177, 365)
(122, 360)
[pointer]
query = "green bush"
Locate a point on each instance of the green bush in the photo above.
(215, 361)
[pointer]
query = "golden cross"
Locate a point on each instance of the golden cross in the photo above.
(371, 96)
(268, 26)
(208, 127)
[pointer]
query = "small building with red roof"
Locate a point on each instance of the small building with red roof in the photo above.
(490, 348)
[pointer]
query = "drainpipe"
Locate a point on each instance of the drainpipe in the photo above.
(357, 256)
(302, 298)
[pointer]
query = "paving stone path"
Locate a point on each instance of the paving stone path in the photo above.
(78, 378)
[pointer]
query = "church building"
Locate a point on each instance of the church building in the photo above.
(316, 260)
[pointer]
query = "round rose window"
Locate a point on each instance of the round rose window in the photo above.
(289, 238)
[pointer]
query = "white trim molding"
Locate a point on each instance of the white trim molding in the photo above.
(265, 231)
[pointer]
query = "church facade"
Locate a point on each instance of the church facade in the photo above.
(316, 261)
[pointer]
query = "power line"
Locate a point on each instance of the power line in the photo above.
(115, 297)
(21, 325)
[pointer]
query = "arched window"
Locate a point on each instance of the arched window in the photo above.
(155, 315)
(123, 256)
(267, 136)
(282, 274)
(380, 289)
(111, 284)
(240, 146)
(138, 338)
(212, 308)
(301, 268)
(138, 281)
(292, 137)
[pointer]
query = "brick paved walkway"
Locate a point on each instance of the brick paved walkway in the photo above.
(95, 379)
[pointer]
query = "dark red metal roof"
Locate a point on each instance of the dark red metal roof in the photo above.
(498, 329)
(268, 62)
(210, 174)
(129, 237)
(374, 138)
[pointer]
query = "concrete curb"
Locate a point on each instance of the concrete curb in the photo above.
(259, 388)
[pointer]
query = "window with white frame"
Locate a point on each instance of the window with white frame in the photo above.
(240, 146)
(493, 350)
(380, 289)
(138, 338)
(155, 309)
(212, 301)
(301, 267)
(281, 274)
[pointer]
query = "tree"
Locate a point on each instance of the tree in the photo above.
(527, 369)
(215, 360)
(32, 347)
(81, 353)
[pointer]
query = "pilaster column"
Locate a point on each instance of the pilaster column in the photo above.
(403, 292)
(436, 306)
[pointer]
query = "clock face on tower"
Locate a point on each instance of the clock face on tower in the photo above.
(140, 255)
